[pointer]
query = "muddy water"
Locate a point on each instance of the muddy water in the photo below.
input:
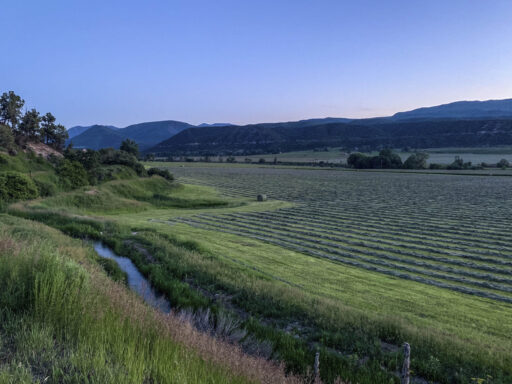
(136, 281)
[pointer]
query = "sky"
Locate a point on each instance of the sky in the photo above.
(125, 62)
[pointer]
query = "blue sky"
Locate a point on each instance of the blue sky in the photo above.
(123, 62)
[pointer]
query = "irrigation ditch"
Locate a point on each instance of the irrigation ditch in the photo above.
(228, 323)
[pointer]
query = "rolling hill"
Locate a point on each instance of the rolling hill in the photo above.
(79, 129)
(145, 134)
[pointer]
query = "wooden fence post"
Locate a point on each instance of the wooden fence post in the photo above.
(407, 364)
(316, 368)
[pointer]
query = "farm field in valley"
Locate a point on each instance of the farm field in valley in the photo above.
(395, 224)
(436, 155)
(430, 251)
(353, 261)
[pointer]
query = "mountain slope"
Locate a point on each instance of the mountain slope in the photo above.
(145, 134)
(77, 130)
(97, 137)
(442, 121)
(148, 134)
(214, 125)
(263, 138)
(461, 109)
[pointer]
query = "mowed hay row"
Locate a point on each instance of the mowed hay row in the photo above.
(395, 223)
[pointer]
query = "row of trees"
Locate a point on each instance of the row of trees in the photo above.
(29, 126)
(386, 159)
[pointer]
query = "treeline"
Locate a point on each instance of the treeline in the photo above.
(387, 159)
(19, 128)
(26, 175)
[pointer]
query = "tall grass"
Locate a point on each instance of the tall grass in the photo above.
(62, 320)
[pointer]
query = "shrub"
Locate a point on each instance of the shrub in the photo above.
(90, 159)
(72, 174)
(16, 186)
(161, 172)
(111, 156)
(139, 168)
(45, 188)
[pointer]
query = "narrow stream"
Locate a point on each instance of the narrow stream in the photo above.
(136, 281)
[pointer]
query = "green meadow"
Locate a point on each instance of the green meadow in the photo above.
(212, 245)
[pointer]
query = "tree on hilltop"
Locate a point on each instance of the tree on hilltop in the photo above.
(51, 133)
(10, 109)
(29, 127)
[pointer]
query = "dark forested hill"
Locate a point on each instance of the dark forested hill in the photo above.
(261, 138)
(145, 134)
(97, 137)
(463, 123)
(148, 134)
(77, 130)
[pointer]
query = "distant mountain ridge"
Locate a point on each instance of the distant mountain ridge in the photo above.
(169, 136)
(461, 109)
(255, 139)
(145, 134)
(214, 125)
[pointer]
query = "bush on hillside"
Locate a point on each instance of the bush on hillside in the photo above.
(72, 174)
(161, 172)
(88, 158)
(45, 188)
(140, 169)
(17, 186)
(111, 156)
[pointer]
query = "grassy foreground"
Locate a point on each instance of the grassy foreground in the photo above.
(62, 320)
(290, 300)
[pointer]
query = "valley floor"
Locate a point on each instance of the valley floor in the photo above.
(349, 263)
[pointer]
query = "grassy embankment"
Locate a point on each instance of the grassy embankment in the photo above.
(62, 320)
(327, 304)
